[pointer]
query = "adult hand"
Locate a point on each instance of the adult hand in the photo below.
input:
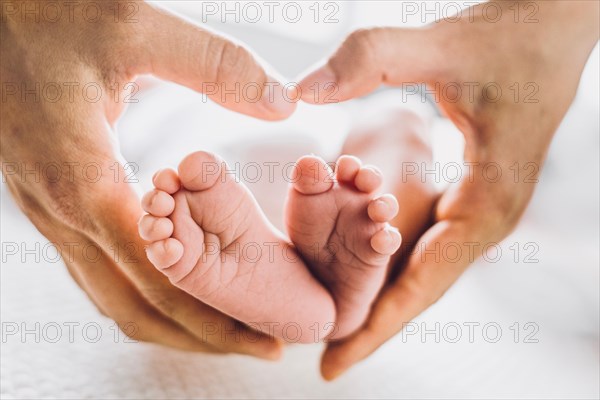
(536, 60)
(64, 82)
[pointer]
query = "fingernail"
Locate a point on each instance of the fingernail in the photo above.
(278, 98)
(318, 86)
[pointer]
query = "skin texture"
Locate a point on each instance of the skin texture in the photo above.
(73, 132)
(550, 53)
(341, 228)
(200, 220)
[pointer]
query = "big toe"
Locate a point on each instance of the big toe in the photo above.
(200, 170)
(312, 175)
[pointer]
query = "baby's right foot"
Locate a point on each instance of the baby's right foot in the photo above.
(341, 229)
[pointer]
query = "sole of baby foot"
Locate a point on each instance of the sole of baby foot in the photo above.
(341, 228)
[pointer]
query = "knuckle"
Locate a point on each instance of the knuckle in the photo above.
(233, 62)
(364, 41)
(360, 53)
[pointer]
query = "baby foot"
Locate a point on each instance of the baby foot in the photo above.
(341, 229)
(210, 238)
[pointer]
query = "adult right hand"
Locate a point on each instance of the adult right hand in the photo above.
(64, 81)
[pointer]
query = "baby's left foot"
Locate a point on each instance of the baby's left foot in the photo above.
(341, 230)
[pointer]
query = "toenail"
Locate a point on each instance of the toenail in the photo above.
(394, 230)
(375, 170)
(388, 236)
(382, 203)
(155, 175)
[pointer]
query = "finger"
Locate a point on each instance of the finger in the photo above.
(428, 275)
(371, 57)
(201, 60)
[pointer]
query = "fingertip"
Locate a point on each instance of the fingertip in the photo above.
(319, 86)
(275, 352)
(265, 347)
(278, 100)
(334, 362)
(331, 374)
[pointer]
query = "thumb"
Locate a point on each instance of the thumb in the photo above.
(180, 51)
(370, 57)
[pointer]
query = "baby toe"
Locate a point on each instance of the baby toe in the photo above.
(346, 168)
(383, 209)
(200, 170)
(312, 175)
(166, 180)
(368, 179)
(158, 203)
(164, 253)
(152, 228)
(386, 241)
